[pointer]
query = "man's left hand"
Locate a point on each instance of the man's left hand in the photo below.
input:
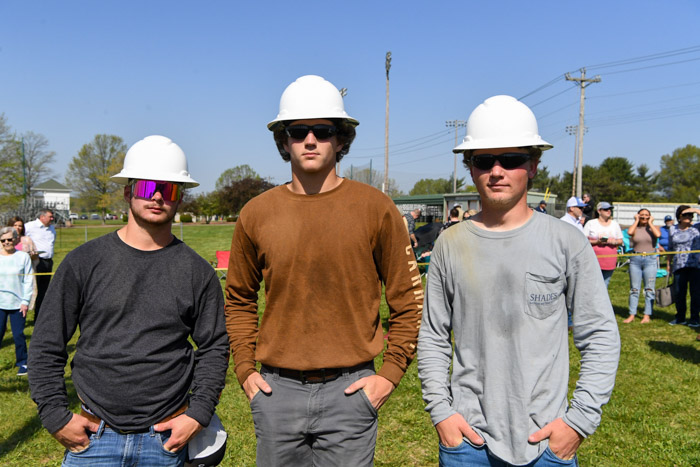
(183, 429)
(563, 440)
(377, 388)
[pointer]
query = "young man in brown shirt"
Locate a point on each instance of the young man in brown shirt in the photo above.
(315, 399)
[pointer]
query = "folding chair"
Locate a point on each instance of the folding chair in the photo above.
(221, 263)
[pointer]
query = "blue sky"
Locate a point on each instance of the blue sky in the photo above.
(209, 75)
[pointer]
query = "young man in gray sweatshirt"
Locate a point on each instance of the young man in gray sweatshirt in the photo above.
(502, 283)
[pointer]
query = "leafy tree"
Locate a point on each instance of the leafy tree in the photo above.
(10, 179)
(374, 178)
(37, 158)
(233, 197)
(679, 175)
(89, 172)
(235, 174)
(432, 186)
(201, 204)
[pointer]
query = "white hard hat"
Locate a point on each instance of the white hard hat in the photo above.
(208, 447)
(502, 122)
(155, 158)
(311, 97)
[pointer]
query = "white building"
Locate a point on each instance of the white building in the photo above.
(52, 194)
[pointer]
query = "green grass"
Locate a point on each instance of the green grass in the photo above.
(651, 419)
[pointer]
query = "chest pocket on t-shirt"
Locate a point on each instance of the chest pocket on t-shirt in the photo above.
(545, 295)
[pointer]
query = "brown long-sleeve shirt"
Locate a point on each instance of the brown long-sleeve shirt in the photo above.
(323, 258)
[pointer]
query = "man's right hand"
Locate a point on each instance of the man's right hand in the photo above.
(73, 435)
(255, 383)
(452, 429)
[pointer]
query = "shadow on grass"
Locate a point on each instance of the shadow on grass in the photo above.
(33, 425)
(686, 353)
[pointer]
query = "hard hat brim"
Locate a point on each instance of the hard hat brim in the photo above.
(515, 143)
(123, 178)
(274, 123)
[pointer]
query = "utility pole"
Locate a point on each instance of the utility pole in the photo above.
(343, 93)
(385, 185)
(457, 124)
(573, 130)
(583, 84)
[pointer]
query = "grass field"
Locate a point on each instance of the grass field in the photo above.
(651, 420)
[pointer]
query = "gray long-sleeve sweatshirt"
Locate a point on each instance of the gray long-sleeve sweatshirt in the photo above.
(505, 296)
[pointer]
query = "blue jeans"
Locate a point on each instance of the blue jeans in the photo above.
(110, 449)
(642, 268)
(607, 274)
(467, 455)
(17, 324)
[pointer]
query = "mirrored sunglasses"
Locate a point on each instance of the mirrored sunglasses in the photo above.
(145, 189)
(320, 131)
(509, 160)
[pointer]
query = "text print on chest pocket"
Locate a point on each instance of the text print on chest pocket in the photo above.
(544, 294)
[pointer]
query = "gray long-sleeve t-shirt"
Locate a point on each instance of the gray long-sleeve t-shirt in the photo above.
(505, 296)
(136, 309)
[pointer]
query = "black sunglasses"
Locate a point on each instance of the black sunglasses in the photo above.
(320, 131)
(6, 240)
(688, 214)
(508, 161)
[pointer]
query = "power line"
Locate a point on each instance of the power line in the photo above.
(441, 132)
(418, 147)
(552, 97)
(651, 66)
(645, 58)
(645, 90)
(547, 84)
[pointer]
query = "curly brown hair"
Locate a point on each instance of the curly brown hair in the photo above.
(346, 135)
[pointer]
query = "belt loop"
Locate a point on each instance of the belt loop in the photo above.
(152, 431)
(275, 373)
(100, 430)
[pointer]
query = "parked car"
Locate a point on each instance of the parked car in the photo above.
(73, 216)
(110, 217)
(95, 217)
(83, 217)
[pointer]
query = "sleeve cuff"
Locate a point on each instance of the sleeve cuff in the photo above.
(391, 372)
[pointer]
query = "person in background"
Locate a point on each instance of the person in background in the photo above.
(16, 287)
(411, 225)
(542, 207)
(664, 240)
(587, 211)
(26, 245)
(468, 214)
(643, 237)
(574, 214)
(686, 266)
(605, 236)
(43, 233)
(454, 219)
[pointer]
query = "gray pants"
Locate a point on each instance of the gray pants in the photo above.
(301, 424)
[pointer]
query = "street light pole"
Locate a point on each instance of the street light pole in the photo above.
(385, 185)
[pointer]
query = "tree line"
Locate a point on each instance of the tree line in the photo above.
(25, 161)
(614, 179)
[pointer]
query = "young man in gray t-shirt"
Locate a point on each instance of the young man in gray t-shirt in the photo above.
(502, 284)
